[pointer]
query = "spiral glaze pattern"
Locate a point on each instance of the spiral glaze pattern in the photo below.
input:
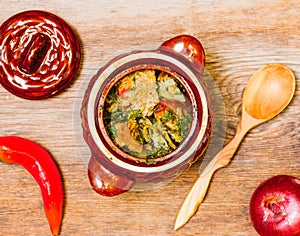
(39, 54)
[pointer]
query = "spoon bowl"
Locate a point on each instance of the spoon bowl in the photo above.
(268, 92)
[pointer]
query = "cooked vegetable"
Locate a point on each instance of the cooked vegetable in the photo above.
(147, 114)
(167, 88)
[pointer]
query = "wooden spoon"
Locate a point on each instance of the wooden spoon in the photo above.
(268, 92)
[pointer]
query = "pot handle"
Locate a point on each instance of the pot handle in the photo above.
(106, 183)
(187, 46)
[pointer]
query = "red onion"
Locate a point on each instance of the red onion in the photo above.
(275, 207)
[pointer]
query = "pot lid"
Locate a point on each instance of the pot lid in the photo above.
(39, 54)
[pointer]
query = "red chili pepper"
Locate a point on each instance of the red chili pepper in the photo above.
(39, 163)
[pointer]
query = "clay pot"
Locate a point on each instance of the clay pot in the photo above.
(113, 171)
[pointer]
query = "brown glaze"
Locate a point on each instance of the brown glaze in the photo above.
(34, 53)
(105, 182)
(188, 47)
(108, 178)
(40, 54)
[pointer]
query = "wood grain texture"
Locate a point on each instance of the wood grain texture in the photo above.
(239, 37)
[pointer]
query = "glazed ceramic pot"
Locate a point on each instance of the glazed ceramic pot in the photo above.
(112, 170)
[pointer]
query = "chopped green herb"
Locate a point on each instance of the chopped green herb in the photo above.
(147, 135)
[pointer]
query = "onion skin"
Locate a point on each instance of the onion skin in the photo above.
(275, 206)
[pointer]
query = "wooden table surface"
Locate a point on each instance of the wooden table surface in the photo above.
(239, 37)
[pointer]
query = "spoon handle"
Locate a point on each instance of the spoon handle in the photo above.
(198, 191)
